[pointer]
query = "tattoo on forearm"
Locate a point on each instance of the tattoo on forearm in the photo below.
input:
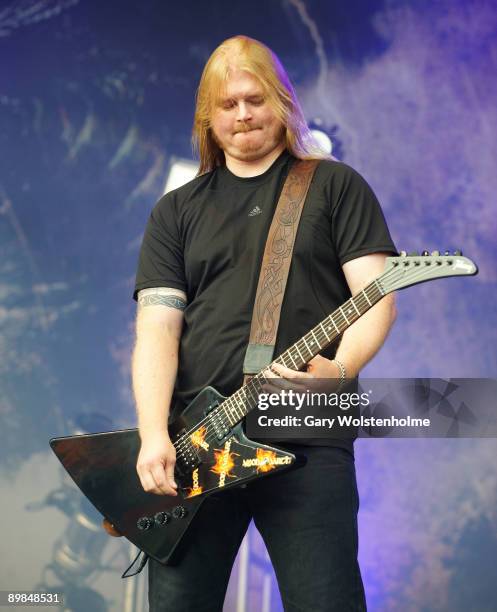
(162, 299)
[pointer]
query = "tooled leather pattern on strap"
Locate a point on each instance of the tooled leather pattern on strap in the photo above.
(276, 266)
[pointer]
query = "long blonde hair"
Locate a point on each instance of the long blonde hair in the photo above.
(254, 57)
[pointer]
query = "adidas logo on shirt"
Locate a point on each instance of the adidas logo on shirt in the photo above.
(255, 211)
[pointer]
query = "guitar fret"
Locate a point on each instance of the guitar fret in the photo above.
(240, 408)
(252, 391)
(253, 398)
(317, 341)
(327, 337)
(241, 394)
(349, 309)
(241, 403)
(247, 392)
(333, 321)
(219, 414)
(298, 351)
(353, 304)
(230, 416)
(366, 296)
(306, 345)
(292, 359)
(229, 423)
(226, 422)
(343, 315)
(233, 409)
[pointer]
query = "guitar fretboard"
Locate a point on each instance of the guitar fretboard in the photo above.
(238, 405)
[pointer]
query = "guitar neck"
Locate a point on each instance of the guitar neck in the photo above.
(402, 271)
(238, 405)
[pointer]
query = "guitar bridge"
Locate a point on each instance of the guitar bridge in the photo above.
(187, 459)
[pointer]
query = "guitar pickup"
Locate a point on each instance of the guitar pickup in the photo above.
(220, 427)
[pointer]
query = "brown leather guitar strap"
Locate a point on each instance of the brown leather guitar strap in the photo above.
(276, 266)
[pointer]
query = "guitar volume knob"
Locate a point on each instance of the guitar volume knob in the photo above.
(179, 512)
(162, 518)
(144, 523)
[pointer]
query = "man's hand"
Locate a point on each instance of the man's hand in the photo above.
(155, 465)
(318, 367)
(320, 372)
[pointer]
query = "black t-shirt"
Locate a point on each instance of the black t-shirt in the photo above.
(207, 238)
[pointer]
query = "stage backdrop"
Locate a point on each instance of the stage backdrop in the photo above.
(96, 99)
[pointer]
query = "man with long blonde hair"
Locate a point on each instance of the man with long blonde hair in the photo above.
(195, 287)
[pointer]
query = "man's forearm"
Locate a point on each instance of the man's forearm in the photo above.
(364, 338)
(154, 369)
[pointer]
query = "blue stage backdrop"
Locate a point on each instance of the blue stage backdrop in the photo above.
(96, 99)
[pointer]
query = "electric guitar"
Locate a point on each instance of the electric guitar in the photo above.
(212, 450)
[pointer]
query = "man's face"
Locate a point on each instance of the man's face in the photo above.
(243, 123)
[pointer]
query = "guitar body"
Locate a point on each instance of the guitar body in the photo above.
(103, 465)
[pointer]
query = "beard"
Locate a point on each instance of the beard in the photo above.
(244, 127)
(249, 149)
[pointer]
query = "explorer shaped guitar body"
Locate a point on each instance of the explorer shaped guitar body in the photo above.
(211, 459)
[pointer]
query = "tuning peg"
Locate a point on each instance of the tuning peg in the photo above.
(435, 253)
(414, 254)
(425, 253)
(447, 253)
(403, 253)
(457, 252)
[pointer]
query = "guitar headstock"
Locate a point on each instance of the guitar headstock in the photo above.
(413, 268)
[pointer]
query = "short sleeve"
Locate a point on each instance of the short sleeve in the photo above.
(161, 255)
(358, 226)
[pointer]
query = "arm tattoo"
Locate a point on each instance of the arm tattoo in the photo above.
(161, 296)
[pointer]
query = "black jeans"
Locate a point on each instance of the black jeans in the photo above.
(308, 520)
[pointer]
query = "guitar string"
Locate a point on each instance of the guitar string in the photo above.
(370, 290)
(320, 336)
(359, 299)
(211, 436)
